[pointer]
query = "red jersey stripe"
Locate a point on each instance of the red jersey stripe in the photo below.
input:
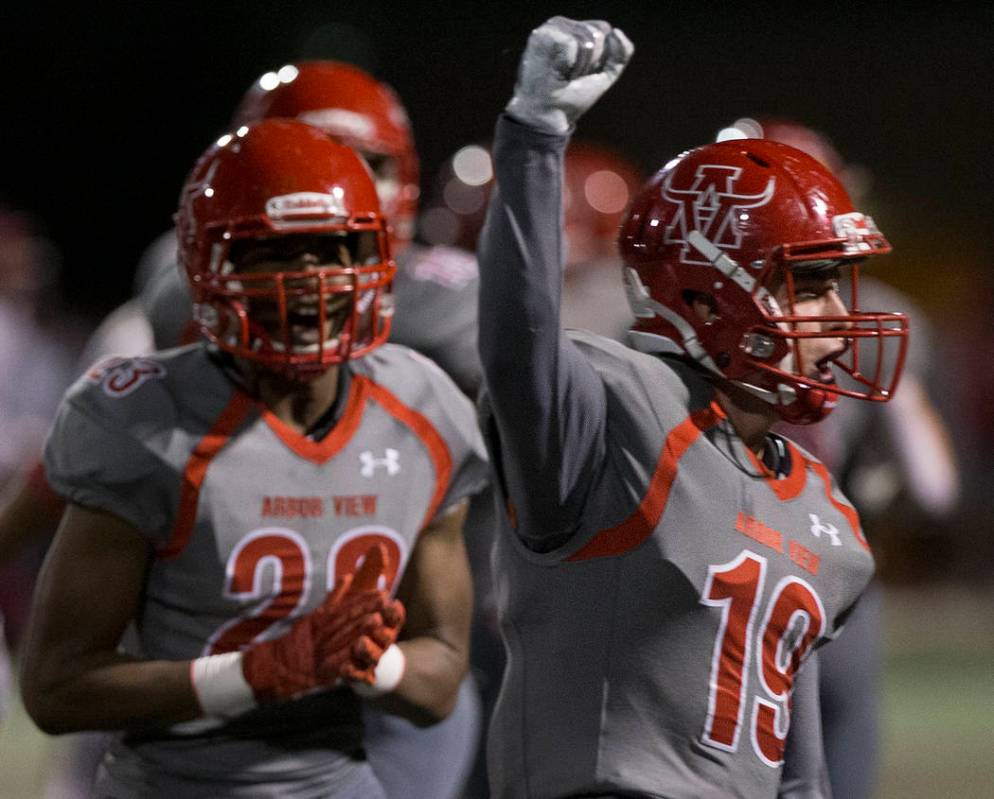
(322, 451)
(636, 528)
(792, 485)
(196, 469)
(438, 450)
(846, 510)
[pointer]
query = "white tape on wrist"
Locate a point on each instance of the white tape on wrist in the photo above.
(220, 685)
(387, 676)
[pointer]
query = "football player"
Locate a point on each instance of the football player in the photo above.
(35, 360)
(267, 505)
(598, 187)
(666, 565)
(885, 454)
(435, 286)
(436, 314)
(435, 291)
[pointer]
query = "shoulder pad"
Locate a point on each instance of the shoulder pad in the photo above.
(150, 391)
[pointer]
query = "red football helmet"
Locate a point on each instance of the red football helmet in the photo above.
(735, 220)
(597, 189)
(270, 185)
(357, 110)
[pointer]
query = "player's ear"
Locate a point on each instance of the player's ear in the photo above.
(704, 305)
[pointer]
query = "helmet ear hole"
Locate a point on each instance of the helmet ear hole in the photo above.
(703, 305)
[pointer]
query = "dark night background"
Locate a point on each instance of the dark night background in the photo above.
(107, 105)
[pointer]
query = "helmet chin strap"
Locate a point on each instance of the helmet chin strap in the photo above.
(783, 395)
(643, 306)
(655, 344)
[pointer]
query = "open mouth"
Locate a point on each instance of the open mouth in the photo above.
(823, 370)
(302, 322)
(824, 374)
(305, 339)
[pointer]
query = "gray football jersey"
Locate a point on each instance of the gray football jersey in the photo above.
(436, 292)
(655, 652)
(251, 522)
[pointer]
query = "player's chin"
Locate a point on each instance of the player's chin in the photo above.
(822, 375)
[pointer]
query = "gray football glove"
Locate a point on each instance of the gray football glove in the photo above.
(566, 66)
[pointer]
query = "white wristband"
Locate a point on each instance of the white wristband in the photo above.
(387, 676)
(221, 688)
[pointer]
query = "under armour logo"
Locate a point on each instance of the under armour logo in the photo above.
(390, 462)
(817, 528)
(712, 206)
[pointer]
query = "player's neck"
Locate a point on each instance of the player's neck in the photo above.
(751, 417)
(297, 403)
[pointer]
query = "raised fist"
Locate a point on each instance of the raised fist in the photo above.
(567, 65)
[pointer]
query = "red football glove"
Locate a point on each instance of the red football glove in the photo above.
(343, 638)
(368, 622)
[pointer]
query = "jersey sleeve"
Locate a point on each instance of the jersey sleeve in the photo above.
(95, 461)
(544, 403)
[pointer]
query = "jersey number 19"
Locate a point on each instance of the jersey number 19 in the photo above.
(793, 619)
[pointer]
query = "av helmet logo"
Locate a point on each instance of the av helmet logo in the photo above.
(711, 206)
(370, 463)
